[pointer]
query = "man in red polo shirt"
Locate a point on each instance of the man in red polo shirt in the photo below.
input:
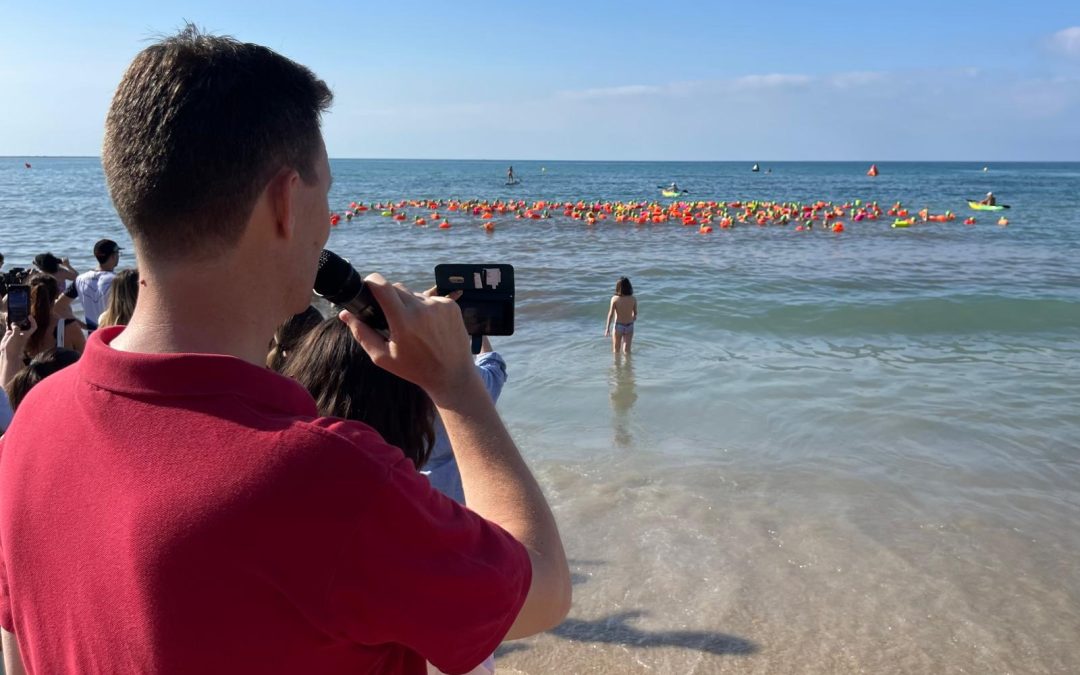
(169, 505)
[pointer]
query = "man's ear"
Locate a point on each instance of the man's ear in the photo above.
(284, 190)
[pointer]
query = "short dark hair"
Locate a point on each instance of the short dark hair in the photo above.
(47, 262)
(104, 249)
(345, 383)
(623, 287)
(198, 125)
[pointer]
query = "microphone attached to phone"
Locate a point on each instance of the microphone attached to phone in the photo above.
(341, 284)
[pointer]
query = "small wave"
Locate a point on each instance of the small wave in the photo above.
(920, 316)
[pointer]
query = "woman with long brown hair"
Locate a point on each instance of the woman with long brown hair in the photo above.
(52, 331)
(345, 383)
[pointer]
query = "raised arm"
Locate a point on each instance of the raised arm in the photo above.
(427, 347)
(11, 351)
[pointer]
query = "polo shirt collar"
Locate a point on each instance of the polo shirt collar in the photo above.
(188, 375)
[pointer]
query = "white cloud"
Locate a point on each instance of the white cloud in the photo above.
(609, 92)
(855, 79)
(770, 81)
(744, 83)
(1066, 42)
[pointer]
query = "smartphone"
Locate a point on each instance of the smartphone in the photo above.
(487, 296)
(18, 306)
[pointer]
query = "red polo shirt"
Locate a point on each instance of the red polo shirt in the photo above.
(189, 513)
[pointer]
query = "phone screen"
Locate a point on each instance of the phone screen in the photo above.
(487, 296)
(18, 306)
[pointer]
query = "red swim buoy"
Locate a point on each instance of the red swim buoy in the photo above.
(444, 225)
(970, 220)
(873, 171)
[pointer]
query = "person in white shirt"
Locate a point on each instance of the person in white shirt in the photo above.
(93, 286)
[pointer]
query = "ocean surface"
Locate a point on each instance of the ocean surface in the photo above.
(828, 453)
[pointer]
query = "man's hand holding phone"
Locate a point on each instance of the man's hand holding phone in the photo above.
(427, 344)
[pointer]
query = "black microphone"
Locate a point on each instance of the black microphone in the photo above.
(342, 285)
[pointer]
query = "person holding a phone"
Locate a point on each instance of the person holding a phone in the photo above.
(12, 346)
(219, 524)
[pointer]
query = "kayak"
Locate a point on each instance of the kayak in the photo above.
(976, 206)
(903, 223)
(670, 193)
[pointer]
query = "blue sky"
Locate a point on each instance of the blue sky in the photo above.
(599, 80)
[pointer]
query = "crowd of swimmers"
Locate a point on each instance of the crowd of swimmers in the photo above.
(705, 214)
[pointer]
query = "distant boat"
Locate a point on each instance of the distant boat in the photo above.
(873, 171)
(26, 164)
(755, 168)
(985, 169)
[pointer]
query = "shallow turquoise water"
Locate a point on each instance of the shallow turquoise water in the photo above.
(861, 446)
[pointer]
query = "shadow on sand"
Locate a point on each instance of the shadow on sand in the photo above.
(616, 629)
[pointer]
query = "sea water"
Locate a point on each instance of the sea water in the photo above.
(854, 452)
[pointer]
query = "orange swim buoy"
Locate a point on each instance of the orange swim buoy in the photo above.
(444, 225)
(1003, 221)
(489, 227)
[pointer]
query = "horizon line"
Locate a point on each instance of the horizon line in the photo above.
(631, 161)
